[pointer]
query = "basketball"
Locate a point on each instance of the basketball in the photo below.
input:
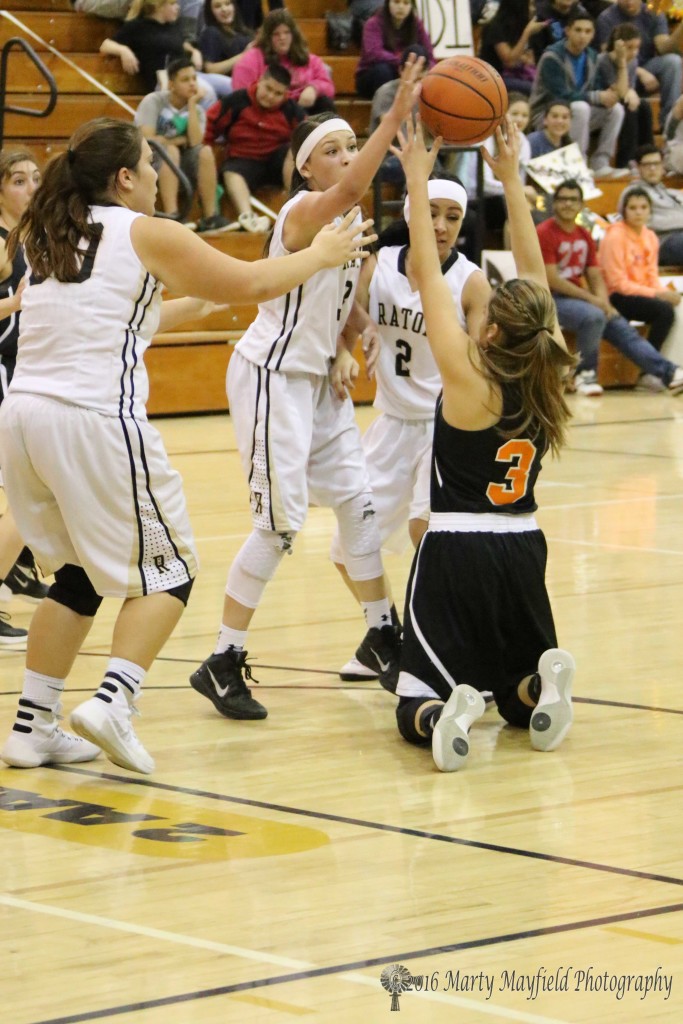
(463, 99)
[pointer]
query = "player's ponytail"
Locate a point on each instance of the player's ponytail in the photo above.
(527, 355)
(56, 225)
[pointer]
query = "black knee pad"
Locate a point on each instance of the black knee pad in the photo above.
(73, 589)
(182, 592)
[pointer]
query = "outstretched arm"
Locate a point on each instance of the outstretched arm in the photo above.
(526, 248)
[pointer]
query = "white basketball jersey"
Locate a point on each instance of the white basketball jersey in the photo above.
(298, 332)
(84, 342)
(408, 381)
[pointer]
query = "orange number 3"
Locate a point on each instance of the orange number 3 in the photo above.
(520, 452)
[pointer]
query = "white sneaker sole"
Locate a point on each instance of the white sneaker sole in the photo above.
(354, 670)
(551, 721)
(450, 742)
(9, 641)
(102, 729)
(19, 753)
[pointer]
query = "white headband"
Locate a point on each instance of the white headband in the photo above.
(441, 188)
(334, 124)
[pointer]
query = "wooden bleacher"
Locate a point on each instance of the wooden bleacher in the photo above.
(187, 366)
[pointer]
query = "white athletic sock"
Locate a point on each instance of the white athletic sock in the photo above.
(122, 681)
(377, 613)
(230, 639)
(45, 691)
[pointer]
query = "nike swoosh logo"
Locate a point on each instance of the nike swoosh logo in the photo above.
(20, 583)
(220, 690)
(383, 667)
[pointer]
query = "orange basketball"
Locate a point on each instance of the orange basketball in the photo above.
(463, 99)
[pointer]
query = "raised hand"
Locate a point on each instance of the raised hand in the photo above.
(409, 89)
(417, 161)
(336, 244)
(505, 164)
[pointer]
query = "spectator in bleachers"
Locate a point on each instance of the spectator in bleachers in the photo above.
(223, 38)
(673, 154)
(553, 14)
(557, 119)
(582, 300)
(279, 41)
(617, 69)
(628, 257)
(667, 206)
(659, 60)
(568, 71)
(174, 119)
(149, 39)
(256, 125)
(251, 11)
(363, 9)
(386, 36)
(506, 44)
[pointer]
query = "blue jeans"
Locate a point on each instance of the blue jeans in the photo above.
(671, 250)
(590, 324)
(667, 70)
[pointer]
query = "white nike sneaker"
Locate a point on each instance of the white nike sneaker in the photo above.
(37, 738)
(354, 671)
(552, 717)
(109, 725)
(450, 742)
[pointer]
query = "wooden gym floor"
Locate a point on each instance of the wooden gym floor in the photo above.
(270, 871)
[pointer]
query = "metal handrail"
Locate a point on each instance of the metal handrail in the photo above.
(14, 43)
(185, 191)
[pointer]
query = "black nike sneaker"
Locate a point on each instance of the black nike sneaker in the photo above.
(220, 679)
(381, 652)
(23, 582)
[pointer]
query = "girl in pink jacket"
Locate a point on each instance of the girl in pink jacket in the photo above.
(628, 258)
(280, 41)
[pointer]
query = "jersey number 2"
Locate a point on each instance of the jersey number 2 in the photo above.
(403, 355)
(520, 452)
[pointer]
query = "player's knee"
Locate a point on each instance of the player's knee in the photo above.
(256, 563)
(360, 538)
(73, 589)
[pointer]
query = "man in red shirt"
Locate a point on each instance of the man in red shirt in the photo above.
(256, 125)
(582, 300)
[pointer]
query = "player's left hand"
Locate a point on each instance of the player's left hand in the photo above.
(417, 161)
(343, 373)
(505, 164)
(371, 344)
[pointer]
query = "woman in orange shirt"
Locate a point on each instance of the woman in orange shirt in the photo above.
(628, 256)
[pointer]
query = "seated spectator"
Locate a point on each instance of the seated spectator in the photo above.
(256, 125)
(567, 71)
(673, 154)
(506, 45)
(557, 119)
(582, 300)
(553, 14)
(386, 35)
(667, 206)
(617, 69)
(251, 11)
(391, 169)
(149, 39)
(628, 259)
(280, 41)
(495, 211)
(223, 38)
(659, 59)
(173, 118)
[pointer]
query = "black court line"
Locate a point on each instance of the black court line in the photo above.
(359, 965)
(626, 454)
(624, 704)
(372, 825)
(621, 423)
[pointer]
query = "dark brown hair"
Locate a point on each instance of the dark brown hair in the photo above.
(398, 38)
(298, 52)
(57, 219)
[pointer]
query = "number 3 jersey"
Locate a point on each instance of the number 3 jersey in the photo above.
(297, 332)
(479, 471)
(408, 381)
(84, 342)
